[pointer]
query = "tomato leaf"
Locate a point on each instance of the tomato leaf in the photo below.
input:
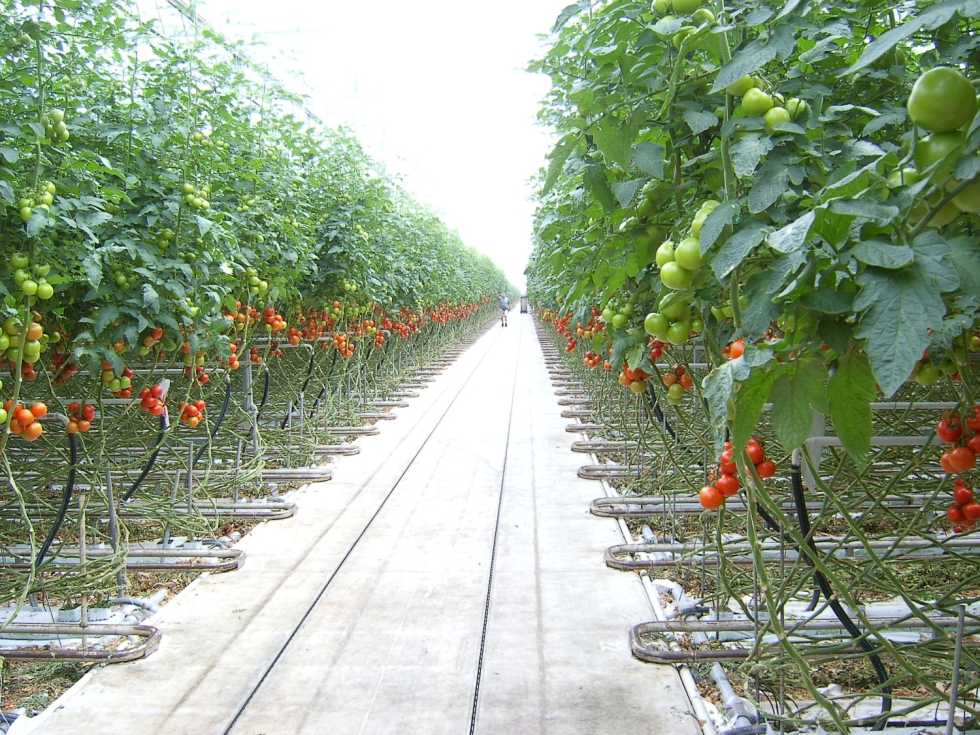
(883, 254)
(755, 55)
(898, 308)
(748, 152)
(760, 311)
(104, 317)
(699, 120)
(849, 394)
(881, 214)
(931, 253)
(772, 183)
(749, 400)
(557, 157)
(625, 191)
(597, 186)
(715, 223)
(717, 392)
(792, 236)
(613, 140)
(737, 247)
(650, 158)
(965, 257)
(829, 300)
(793, 395)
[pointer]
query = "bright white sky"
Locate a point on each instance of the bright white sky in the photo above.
(435, 89)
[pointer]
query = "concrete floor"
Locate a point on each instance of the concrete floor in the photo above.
(365, 613)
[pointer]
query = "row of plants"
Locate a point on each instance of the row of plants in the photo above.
(786, 192)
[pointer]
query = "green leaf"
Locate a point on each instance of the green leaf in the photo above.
(699, 120)
(612, 140)
(757, 316)
(717, 392)
(749, 401)
(829, 300)
(151, 298)
(899, 307)
(625, 191)
(597, 186)
(754, 56)
(772, 183)
(650, 158)
(9, 154)
(834, 228)
(931, 254)
(881, 214)
(792, 396)
(849, 394)
(36, 223)
(104, 317)
(557, 158)
(935, 16)
(715, 223)
(964, 254)
(791, 237)
(737, 247)
(883, 254)
(747, 153)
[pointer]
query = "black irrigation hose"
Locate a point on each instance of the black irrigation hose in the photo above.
(152, 460)
(796, 477)
(65, 501)
(658, 413)
(218, 421)
(306, 382)
(265, 392)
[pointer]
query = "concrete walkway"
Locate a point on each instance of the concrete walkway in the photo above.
(369, 611)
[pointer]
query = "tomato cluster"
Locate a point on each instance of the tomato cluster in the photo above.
(233, 357)
(191, 412)
(964, 512)
(965, 434)
(24, 421)
(344, 345)
(676, 381)
(713, 495)
(633, 378)
(152, 399)
(121, 385)
(80, 417)
(591, 358)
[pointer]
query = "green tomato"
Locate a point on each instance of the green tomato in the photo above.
(944, 216)
(660, 7)
(619, 320)
(902, 177)
(927, 375)
(675, 276)
(796, 107)
(607, 315)
(697, 325)
(4, 342)
(934, 148)
(29, 287)
(774, 116)
(678, 333)
(673, 307)
(702, 16)
(665, 253)
(740, 86)
(756, 103)
(19, 260)
(968, 200)
(45, 291)
(688, 254)
(685, 7)
(682, 33)
(675, 391)
(942, 100)
(656, 325)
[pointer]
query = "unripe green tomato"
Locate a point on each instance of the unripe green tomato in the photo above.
(673, 307)
(687, 254)
(108, 376)
(968, 200)
(665, 253)
(675, 391)
(45, 291)
(927, 375)
(702, 15)
(25, 213)
(774, 116)
(19, 260)
(3, 416)
(697, 325)
(678, 333)
(32, 348)
(125, 382)
(796, 107)
(29, 287)
(675, 276)
(660, 7)
(20, 275)
(682, 33)
(619, 320)
(41, 270)
(656, 325)
(740, 86)
(685, 7)
(932, 149)
(115, 385)
(942, 100)
(142, 350)
(756, 103)
(902, 177)
(4, 342)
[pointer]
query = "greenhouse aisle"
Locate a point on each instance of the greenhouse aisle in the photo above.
(369, 611)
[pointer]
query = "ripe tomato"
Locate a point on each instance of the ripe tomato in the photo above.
(949, 429)
(24, 417)
(685, 381)
(710, 497)
(33, 431)
(72, 427)
(756, 455)
(974, 444)
(39, 409)
(727, 485)
(669, 379)
(84, 425)
(954, 514)
(737, 349)
(156, 391)
(958, 460)
(726, 464)
(962, 495)
(973, 419)
(971, 511)
(766, 468)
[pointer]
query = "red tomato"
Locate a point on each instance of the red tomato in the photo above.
(958, 460)
(962, 495)
(950, 429)
(974, 444)
(726, 465)
(39, 409)
(157, 391)
(766, 468)
(727, 485)
(973, 419)
(954, 514)
(710, 497)
(971, 511)
(755, 452)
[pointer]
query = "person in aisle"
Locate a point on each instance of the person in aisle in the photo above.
(504, 304)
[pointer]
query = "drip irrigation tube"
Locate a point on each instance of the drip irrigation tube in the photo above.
(65, 502)
(217, 422)
(151, 461)
(823, 586)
